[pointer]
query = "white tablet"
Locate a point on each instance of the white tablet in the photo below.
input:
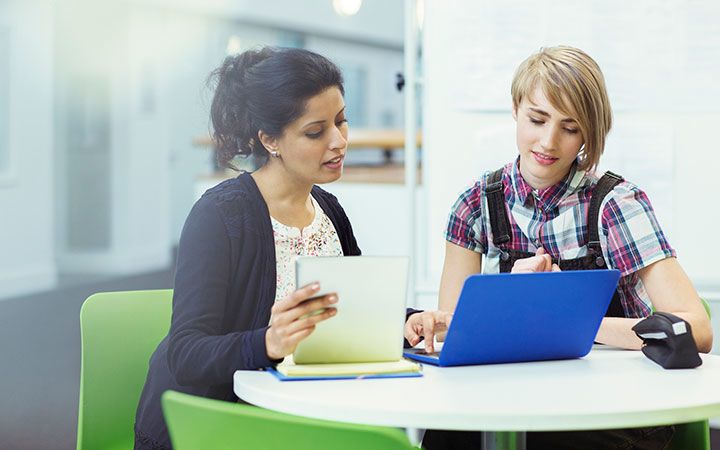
(368, 326)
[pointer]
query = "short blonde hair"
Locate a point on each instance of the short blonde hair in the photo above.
(574, 84)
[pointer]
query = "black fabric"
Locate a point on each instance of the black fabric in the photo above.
(499, 221)
(145, 442)
(668, 341)
(452, 440)
(224, 289)
(648, 438)
(500, 225)
(604, 186)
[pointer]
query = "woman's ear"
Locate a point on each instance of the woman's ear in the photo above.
(514, 112)
(269, 142)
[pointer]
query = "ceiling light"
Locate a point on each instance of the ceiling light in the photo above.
(347, 7)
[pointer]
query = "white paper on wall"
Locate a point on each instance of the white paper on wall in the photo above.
(655, 55)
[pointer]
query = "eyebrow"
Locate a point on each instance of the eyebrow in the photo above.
(313, 123)
(546, 114)
(321, 121)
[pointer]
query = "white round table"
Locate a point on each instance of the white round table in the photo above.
(609, 388)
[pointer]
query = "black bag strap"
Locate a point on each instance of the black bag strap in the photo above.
(499, 221)
(606, 184)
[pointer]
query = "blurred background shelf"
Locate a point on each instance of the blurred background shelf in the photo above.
(392, 173)
(389, 141)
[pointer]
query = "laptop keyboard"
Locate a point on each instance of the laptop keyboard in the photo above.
(421, 351)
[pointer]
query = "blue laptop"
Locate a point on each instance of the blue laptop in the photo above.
(525, 317)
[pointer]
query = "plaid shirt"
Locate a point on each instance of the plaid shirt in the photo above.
(555, 219)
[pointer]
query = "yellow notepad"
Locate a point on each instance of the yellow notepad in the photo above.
(289, 369)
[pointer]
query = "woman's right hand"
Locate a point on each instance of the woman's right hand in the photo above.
(294, 317)
(427, 325)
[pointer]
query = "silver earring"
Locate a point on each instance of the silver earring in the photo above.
(275, 154)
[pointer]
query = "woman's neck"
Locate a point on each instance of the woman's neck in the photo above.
(287, 198)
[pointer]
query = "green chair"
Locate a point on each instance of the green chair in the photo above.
(706, 305)
(694, 435)
(119, 332)
(197, 423)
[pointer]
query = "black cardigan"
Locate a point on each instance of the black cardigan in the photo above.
(224, 290)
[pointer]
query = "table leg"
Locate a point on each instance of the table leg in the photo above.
(415, 435)
(504, 440)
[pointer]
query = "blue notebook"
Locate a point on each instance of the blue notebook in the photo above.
(289, 371)
(525, 317)
(283, 377)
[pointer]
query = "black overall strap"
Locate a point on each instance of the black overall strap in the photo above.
(499, 222)
(606, 184)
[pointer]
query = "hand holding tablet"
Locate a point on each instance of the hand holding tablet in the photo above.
(295, 317)
(368, 325)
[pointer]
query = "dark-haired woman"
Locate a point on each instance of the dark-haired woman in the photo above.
(235, 305)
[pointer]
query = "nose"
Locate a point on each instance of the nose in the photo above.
(550, 137)
(338, 139)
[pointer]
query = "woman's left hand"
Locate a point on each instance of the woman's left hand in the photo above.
(541, 262)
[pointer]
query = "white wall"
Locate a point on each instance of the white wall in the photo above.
(141, 185)
(26, 208)
(377, 21)
(122, 199)
(380, 64)
(658, 60)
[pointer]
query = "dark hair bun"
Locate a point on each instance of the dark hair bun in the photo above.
(264, 89)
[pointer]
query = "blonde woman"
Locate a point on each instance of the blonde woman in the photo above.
(548, 210)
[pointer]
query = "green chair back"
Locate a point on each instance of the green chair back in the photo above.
(694, 435)
(119, 332)
(706, 305)
(197, 423)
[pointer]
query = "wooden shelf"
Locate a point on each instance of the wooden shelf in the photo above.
(384, 174)
(388, 140)
(370, 138)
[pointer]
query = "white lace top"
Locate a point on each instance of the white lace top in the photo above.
(317, 239)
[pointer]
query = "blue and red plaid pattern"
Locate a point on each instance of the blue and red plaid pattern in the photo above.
(555, 219)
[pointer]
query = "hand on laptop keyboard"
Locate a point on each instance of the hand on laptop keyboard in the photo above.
(426, 325)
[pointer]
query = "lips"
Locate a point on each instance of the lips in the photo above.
(544, 159)
(334, 163)
(334, 160)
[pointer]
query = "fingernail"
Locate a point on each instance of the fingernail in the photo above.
(333, 299)
(315, 286)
